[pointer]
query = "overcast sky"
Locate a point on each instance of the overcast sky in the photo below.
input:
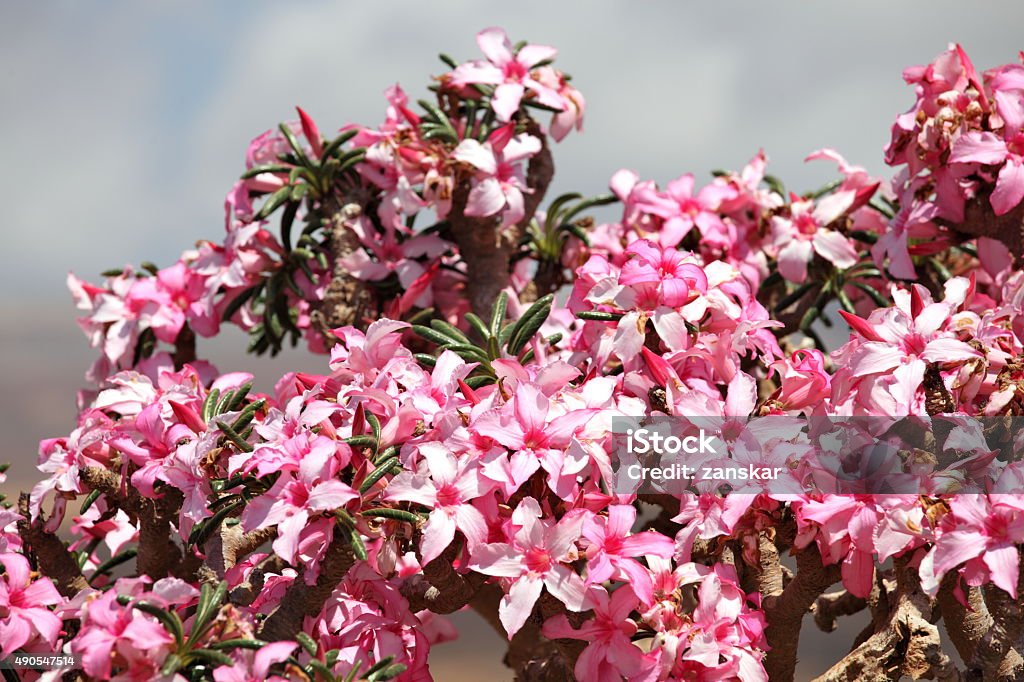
(124, 123)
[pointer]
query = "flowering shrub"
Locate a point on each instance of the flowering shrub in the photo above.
(480, 343)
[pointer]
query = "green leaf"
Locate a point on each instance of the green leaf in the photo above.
(225, 400)
(385, 454)
(823, 190)
(251, 644)
(239, 398)
(529, 324)
(478, 381)
(210, 404)
(794, 296)
(273, 202)
(421, 316)
(448, 61)
(775, 185)
(599, 316)
(234, 437)
(236, 303)
(556, 205)
(114, 562)
(362, 441)
(498, 313)
(266, 168)
(246, 416)
(600, 200)
(441, 118)
(202, 530)
(427, 360)
(450, 330)
(382, 470)
(880, 301)
(287, 220)
(434, 336)
(478, 326)
(89, 499)
(307, 643)
(374, 423)
(467, 352)
(171, 665)
(293, 141)
(335, 144)
(358, 547)
(168, 619)
(212, 656)
(210, 599)
(393, 514)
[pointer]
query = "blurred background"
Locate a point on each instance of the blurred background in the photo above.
(124, 124)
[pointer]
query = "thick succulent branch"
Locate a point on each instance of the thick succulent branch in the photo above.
(301, 600)
(485, 245)
(829, 607)
(906, 643)
(158, 554)
(785, 607)
(981, 221)
(441, 588)
(347, 300)
(53, 558)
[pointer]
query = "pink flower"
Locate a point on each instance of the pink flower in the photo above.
(257, 666)
(500, 180)
(666, 270)
(536, 558)
(510, 72)
(112, 633)
(23, 602)
(612, 550)
(982, 533)
(446, 485)
(293, 499)
(896, 344)
(610, 652)
(806, 231)
(803, 381)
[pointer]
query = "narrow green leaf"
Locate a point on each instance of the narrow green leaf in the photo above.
(273, 202)
(529, 323)
(266, 168)
(113, 562)
(335, 144)
(168, 619)
(251, 644)
(498, 313)
(478, 326)
(202, 530)
(599, 316)
(434, 336)
(450, 330)
(362, 441)
(394, 514)
(89, 499)
(212, 656)
(234, 437)
(236, 303)
(358, 546)
(382, 470)
(794, 296)
(879, 300)
(307, 643)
